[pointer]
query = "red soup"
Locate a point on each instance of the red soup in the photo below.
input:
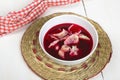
(68, 41)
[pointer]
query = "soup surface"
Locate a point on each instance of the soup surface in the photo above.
(68, 41)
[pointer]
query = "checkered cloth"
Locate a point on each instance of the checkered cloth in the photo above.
(15, 20)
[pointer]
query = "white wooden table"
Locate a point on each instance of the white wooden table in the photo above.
(105, 12)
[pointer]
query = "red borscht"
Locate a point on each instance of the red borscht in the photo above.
(68, 41)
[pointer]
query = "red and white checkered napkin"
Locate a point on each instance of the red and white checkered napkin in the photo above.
(15, 20)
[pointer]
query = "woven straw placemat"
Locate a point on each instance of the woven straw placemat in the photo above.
(44, 67)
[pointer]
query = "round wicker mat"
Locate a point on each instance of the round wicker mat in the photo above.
(44, 67)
